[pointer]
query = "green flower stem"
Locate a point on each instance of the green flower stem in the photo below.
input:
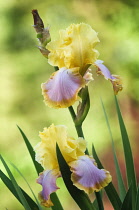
(82, 112)
(71, 110)
(78, 120)
(80, 134)
(79, 131)
(78, 127)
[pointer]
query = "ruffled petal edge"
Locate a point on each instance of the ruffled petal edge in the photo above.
(86, 176)
(61, 90)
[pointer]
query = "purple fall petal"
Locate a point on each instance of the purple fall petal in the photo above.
(115, 79)
(86, 176)
(48, 181)
(61, 90)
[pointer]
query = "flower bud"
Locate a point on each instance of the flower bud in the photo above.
(38, 23)
(43, 34)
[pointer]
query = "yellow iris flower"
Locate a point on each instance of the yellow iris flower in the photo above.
(73, 53)
(85, 174)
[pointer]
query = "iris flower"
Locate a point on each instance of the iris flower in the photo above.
(85, 174)
(73, 53)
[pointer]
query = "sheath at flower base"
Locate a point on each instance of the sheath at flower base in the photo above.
(85, 174)
(73, 53)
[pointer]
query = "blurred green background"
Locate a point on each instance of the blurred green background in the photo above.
(23, 69)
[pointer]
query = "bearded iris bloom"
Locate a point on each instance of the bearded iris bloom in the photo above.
(85, 174)
(73, 53)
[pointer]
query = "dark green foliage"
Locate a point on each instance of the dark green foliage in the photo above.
(11, 187)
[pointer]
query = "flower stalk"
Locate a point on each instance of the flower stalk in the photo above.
(82, 111)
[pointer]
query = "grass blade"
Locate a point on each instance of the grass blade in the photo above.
(110, 190)
(79, 196)
(40, 208)
(11, 187)
(130, 171)
(121, 186)
(17, 188)
(38, 167)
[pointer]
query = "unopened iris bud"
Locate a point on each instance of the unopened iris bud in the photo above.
(38, 23)
(43, 34)
(46, 36)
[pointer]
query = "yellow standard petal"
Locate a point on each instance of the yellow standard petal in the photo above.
(74, 48)
(46, 149)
